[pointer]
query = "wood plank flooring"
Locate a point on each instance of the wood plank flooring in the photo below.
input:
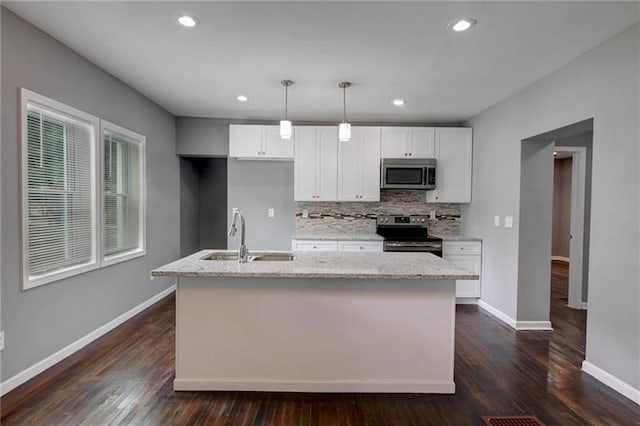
(126, 378)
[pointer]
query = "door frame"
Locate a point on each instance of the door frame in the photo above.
(576, 241)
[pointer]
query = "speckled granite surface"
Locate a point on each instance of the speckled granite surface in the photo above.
(340, 237)
(458, 238)
(396, 266)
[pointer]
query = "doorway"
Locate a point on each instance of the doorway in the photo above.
(536, 222)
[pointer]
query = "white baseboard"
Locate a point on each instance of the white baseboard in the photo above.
(378, 386)
(561, 259)
(517, 325)
(585, 305)
(497, 313)
(534, 325)
(466, 300)
(612, 381)
(29, 373)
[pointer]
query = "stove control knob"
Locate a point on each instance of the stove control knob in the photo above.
(423, 220)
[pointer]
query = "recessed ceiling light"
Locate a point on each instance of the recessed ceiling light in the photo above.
(398, 102)
(188, 21)
(462, 24)
(242, 98)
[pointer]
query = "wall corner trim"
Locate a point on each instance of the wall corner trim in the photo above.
(29, 373)
(534, 325)
(497, 313)
(612, 381)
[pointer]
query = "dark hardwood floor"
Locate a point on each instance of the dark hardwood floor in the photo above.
(126, 378)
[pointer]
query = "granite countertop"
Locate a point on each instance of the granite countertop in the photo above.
(339, 237)
(370, 265)
(458, 238)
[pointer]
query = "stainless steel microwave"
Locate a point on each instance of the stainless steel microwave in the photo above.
(408, 174)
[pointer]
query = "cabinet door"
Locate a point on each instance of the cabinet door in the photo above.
(370, 163)
(423, 142)
(312, 245)
(305, 164)
(327, 157)
(396, 142)
(362, 246)
(273, 146)
(467, 288)
(245, 141)
(350, 167)
(454, 154)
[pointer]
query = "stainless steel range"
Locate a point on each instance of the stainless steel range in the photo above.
(407, 233)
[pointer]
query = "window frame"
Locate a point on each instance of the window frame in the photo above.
(28, 97)
(140, 140)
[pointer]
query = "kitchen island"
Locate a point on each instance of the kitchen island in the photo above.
(315, 322)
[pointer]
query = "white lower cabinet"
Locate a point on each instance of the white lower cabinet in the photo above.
(467, 255)
(314, 245)
(336, 245)
(360, 246)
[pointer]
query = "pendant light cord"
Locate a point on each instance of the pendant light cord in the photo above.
(344, 104)
(286, 100)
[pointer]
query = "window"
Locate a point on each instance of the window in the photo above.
(123, 214)
(70, 184)
(59, 171)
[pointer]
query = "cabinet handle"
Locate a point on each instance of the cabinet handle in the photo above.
(315, 247)
(410, 154)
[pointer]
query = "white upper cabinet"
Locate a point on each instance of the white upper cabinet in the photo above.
(407, 142)
(359, 165)
(257, 142)
(453, 151)
(316, 164)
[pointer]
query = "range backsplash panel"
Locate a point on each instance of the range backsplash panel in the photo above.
(360, 217)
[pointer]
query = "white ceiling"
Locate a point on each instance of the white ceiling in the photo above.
(387, 50)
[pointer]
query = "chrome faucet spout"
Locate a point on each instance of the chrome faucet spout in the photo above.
(243, 252)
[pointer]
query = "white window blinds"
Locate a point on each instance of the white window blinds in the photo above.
(60, 192)
(123, 154)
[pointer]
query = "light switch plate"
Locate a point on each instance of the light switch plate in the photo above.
(305, 213)
(272, 212)
(1, 340)
(508, 221)
(496, 220)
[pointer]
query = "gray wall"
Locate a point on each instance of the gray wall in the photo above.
(213, 203)
(189, 207)
(254, 187)
(536, 199)
(561, 230)
(603, 84)
(41, 321)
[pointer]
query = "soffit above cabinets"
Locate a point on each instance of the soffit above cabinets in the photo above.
(387, 49)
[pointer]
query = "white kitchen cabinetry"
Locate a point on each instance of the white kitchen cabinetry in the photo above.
(258, 142)
(359, 165)
(360, 246)
(408, 142)
(467, 255)
(314, 245)
(453, 151)
(316, 164)
(336, 245)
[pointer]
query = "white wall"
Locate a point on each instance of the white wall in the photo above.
(603, 84)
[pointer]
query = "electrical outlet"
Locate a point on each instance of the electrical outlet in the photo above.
(272, 212)
(508, 221)
(1, 340)
(305, 213)
(432, 214)
(496, 220)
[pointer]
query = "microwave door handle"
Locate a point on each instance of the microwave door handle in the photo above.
(426, 176)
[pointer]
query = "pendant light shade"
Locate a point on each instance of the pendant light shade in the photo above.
(344, 129)
(286, 129)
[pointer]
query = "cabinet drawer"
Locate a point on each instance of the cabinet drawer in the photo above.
(461, 247)
(314, 245)
(360, 246)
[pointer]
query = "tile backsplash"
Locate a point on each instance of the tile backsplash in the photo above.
(360, 217)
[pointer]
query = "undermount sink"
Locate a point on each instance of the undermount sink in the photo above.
(273, 257)
(266, 257)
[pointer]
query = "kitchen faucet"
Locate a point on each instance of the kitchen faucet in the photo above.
(243, 252)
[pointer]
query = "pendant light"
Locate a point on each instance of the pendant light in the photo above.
(344, 129)
(286, 129)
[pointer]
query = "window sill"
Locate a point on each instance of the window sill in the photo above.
(40, 280)
(123, 257)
